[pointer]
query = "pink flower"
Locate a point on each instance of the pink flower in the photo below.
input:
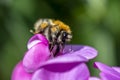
(38, 52)
(39, 63)
(94, 78)
(20, 74)
(107, 72)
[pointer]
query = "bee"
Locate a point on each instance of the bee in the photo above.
(56, 32)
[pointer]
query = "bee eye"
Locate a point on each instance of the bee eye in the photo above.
(64, 34)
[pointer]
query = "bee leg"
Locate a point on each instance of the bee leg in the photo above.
(51, 46)
(57, 49)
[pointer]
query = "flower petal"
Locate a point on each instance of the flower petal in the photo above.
(85, 51)
(35, 56)
(79, 72)
(94, 78)
(72, 59)
(116, 69)
(106, 76)
(72, 48)
(64, 62)
(19, 73)
(107, 71)
(37, 38)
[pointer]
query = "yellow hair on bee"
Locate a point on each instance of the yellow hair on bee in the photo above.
(43, 25)
(62, 26)
(53, 29)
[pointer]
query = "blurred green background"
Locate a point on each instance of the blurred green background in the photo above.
(93, 22)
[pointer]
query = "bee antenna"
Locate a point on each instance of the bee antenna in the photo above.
(32, 31)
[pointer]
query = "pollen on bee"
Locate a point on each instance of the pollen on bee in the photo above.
(62, 26)
(53, 29)
(43, 25)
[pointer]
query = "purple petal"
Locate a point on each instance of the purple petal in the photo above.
(108, 71)
(65, 62)
(85, 51)
(19, 73)
(69, 48)
(106, 76)
(35, 56)
(94, 78)
(116, 69)
(37, 38)
(79, 72)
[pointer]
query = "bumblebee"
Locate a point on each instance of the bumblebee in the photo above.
(56, 32)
